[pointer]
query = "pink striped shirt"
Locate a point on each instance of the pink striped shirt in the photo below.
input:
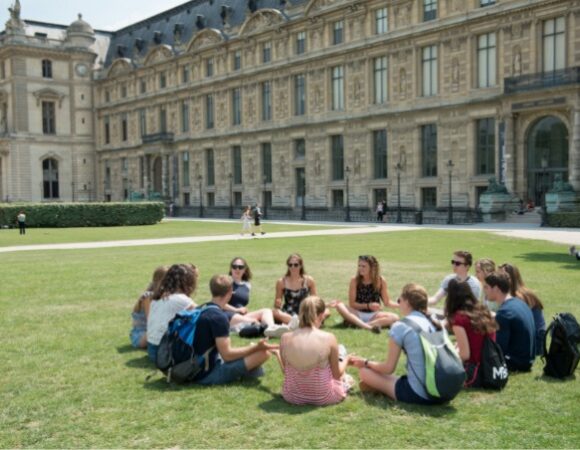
(314, 386)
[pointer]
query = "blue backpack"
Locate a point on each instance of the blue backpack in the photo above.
(175, 355)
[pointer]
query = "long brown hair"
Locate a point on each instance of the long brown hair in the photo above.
(247, 276)
(418, 299)
(518, 288)
(375, 272)
(180, 278)
(300, 260)
(460, 298)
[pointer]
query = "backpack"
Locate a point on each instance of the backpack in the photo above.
(563, 355)
(175, 355)
(493, 368)
(444, 372)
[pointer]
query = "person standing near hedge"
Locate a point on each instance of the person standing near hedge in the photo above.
(21, 219)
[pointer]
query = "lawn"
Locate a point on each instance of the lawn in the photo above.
(165, 229)
(70, 379)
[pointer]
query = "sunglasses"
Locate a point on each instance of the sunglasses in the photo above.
(364, 257)
(238, 267)
(293, 264)
(457, 263)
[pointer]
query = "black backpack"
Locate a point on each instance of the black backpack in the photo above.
(494, 372)
(563, 355)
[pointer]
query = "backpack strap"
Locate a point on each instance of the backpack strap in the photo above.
(548, 330)
(417, 329)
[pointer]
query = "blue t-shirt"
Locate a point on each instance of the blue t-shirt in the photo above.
(241, 294)
(409, 341)
(517, 334)
(212, 324)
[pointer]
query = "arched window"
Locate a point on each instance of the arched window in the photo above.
(50, 178)
(46, 68)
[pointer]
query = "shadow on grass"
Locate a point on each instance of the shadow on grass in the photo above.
(381, 401)
(126, 349)
(563, 260)
(277, 405)
(142, 362)
(552, 380)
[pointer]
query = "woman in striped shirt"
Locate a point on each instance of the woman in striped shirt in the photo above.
(313, 370)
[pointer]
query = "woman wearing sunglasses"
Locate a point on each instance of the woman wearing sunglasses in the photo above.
(460, 263)
(291, 289)
(237, 308)
(367, 290)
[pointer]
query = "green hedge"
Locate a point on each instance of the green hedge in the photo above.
(564, 220)
(66, 215)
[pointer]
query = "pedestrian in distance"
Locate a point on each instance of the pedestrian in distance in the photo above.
(21, 219)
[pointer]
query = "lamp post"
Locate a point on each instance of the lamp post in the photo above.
(200, 179)
(544, 164)
(399, 169)
(450, 166)
(264, 202)
(347, 218)
(303, 177)
(230, 176)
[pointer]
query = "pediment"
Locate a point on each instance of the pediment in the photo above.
(158, 54)
(262, 19)
(317, 5)
(205, 38)
(119, 67)
(48, 94)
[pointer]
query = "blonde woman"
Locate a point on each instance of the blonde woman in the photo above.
(246, 221)
(314, 372)
(484, 267)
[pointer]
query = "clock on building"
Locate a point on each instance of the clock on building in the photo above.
(81, 69)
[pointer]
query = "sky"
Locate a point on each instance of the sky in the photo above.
(107, 15)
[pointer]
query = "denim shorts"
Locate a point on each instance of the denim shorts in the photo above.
(366, 316)
(227, 372)
(136, 336)
(152, 351)
(405, 393)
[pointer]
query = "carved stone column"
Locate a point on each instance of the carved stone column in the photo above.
(510, 153)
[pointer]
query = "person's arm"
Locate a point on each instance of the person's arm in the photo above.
(387, 367)
(385, 295)
(502, 336)
(438, 296)
(462, 342)
(352, 298)
(311, 285)
(337, 367)
(146, 305)
(279, 293)
(229, 353)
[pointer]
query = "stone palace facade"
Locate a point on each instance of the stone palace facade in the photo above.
(327, 102)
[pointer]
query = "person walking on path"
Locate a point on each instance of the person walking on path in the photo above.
(246, 221)
(257, 220)
(21, 219)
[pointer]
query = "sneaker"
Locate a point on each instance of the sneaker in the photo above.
(294, 323)
(376, 329)
(253, 234)
(276, 331)
(572, 250)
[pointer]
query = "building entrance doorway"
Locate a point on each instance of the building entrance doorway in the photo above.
(157, 175)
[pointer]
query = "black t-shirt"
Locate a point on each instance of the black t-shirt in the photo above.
(212, 324)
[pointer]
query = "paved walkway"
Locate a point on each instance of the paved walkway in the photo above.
(568, 236)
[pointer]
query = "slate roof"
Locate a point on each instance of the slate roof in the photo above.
(188, 18)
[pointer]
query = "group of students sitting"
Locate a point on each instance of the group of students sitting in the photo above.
(313, 363)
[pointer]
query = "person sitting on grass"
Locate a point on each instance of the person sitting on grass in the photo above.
(460, 263)
(517, 332)
(173, 296)
(378, 376)
(518, 289)
(225, 363)
(367, 290)
(313, 369)
(483, 267)
(471, 322)
(140, 312)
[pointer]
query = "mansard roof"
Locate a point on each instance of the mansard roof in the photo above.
(176, 27)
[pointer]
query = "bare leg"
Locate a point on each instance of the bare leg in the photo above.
(351, 317)
(262, 316)
(256, 359)
(384, 319)
(378, 382)
(281, 316)
(239, 318)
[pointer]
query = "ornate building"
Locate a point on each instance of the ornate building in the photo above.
(291, 101)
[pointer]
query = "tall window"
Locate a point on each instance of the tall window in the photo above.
(142, 85)
(209, 122)
(300, 42)
(185, 74)
(50, 178)
(162, 119)
(299, 149)
(237, 163)
(237, 60)
(337, 198)
(124, 127)
(48, 118)
(123, 91)
(554, 44)
(162, 80)
(485, 146)
(236, 106)
(46, 68)
(266, 101)
(141, 172)
(381, 21)
(429, 198)
(337, 157)
(185, 169)
(107, 175)
(267, 162)
(184, 116)
(209, 67)
(429, 10)
(337, 32)
(381, 80)
(486, 60)
(429, 65)
(143, 121)
(209, 166)
(107, 96)
(299, 95)
(107, 125)
(429, 150)
(266, 52)
(337, 88)
(380, 153)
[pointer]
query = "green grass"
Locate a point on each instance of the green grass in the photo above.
(70, 379)
(35, 236)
